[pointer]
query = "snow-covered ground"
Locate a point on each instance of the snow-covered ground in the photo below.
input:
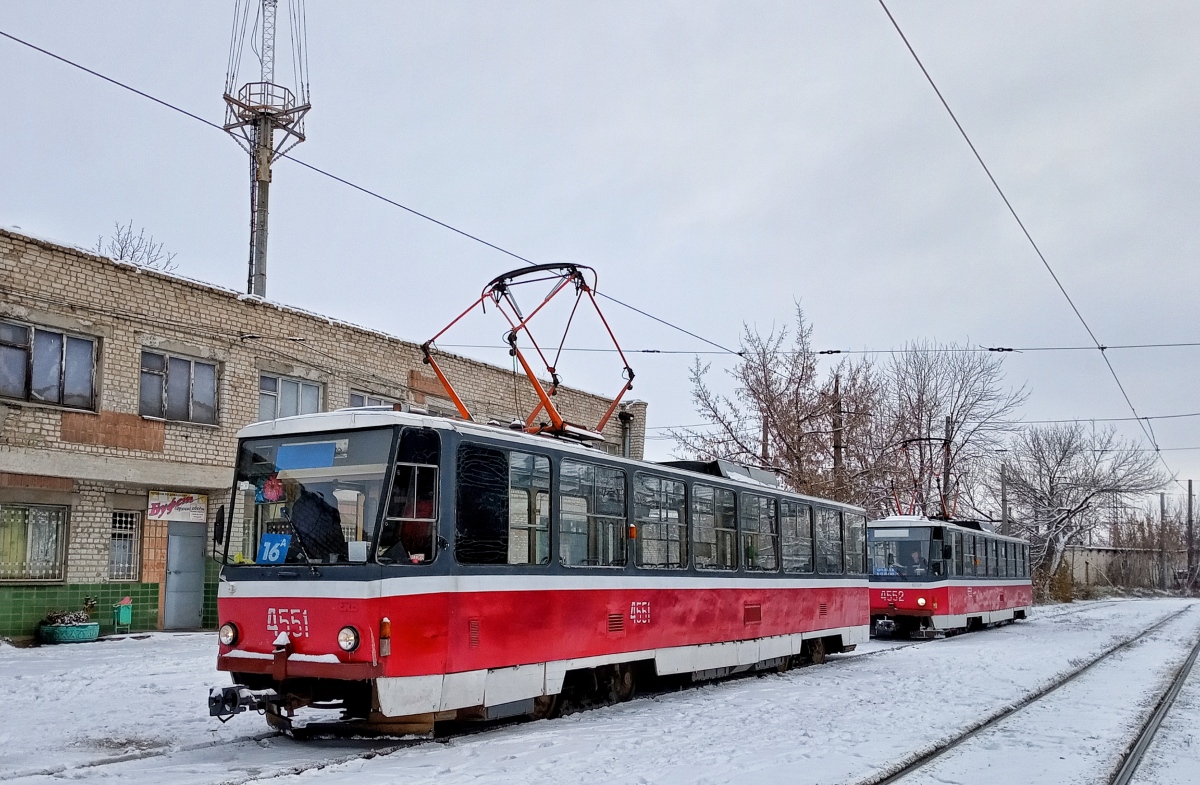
(1174, 756)
(70, 708)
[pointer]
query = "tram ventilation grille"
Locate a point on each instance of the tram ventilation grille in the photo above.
(823, 609)
(616, 622)
(752, 613)
(473, 632)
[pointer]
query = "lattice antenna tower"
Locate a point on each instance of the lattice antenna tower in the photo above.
(258, 110)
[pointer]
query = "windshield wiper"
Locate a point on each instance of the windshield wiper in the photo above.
(303, 548)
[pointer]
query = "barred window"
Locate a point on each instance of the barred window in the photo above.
(591, 517)
(759, 530)
(660, 511)
(714, 518)
(176, 388)
(124, 546)
(31, 542)
(46, 366)
(797, 536)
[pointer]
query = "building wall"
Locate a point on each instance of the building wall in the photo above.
(108, 459)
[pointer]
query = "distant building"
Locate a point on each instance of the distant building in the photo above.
(121, 391)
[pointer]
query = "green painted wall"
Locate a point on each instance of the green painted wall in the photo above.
(23, 606)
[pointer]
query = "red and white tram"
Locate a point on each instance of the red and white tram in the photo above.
(930, 577)
(408, 569)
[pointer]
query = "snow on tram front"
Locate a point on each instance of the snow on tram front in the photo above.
(404, 569)
(930, 577)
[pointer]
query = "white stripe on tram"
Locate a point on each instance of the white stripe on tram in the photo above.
(447, 584)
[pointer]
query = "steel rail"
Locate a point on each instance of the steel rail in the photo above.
(921, 759)
(1137, 751)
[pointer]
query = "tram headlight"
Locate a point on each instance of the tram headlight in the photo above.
(228, 634)
(921, 601)
(348, 638)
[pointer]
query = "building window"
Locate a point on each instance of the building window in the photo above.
(660, 512)
(279, 396)
(44, 366)
(124, 551)
(176, 388)
(359, 398)
(31, 542)
(591, 518)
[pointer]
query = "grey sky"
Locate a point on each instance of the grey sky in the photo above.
(714, 161)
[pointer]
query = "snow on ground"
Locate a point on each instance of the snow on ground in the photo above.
(840, 722)
(1077, 733)
(1174, 756)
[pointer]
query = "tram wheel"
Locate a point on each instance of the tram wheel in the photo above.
(815, 650)
(624, 683)
(545, 707)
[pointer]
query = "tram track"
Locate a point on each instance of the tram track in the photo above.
(923, 758)
(1136, 752)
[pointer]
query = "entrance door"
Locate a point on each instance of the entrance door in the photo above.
(185, 575)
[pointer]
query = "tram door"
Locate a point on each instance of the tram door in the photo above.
(185, 575)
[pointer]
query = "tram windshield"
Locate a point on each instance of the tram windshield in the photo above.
(900, 554)
(308, 498)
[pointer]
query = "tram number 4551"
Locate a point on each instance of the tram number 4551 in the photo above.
(293, 621)
(639, 612)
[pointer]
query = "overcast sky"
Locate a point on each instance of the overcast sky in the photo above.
(715, 162)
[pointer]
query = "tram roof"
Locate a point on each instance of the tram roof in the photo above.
(383, 416)
(972, 527)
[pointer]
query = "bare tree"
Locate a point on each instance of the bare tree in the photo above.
(125, 246)
(1061, 476)
(938, 395)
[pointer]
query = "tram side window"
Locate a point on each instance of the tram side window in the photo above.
(409, 532)
(796, 520)
(958, 553)
(993, 560)
(591, 514)
(660, 512)
(760, 528)
(856, 543)
(528, 508)
(829, 541)
(969, 560)
(714, 533)
(1024, 561)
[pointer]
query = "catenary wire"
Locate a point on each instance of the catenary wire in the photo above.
(348, 183)
(900, 350)
(1099, 346)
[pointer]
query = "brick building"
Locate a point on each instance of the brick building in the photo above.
(121, 391)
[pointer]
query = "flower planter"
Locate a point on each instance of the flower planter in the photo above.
(69, 633)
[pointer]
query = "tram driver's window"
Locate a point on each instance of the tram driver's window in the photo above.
(409, 533)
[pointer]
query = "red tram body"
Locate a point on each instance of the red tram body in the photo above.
(400, 566)
(931, 577)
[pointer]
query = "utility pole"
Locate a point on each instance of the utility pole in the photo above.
(1191, 543)
(1162, 541)
(259, 110)
(946, 471)
(839, 466)
(1004, 497)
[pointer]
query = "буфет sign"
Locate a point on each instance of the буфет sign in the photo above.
(177, 507)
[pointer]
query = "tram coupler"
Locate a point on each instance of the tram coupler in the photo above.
(225, 702)
(885, 627)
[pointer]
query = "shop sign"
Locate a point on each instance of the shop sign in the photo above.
(166, 506)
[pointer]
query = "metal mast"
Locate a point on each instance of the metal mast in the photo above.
(261, 108)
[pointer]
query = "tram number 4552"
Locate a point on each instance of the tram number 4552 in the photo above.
(293, 621)
(891, 595)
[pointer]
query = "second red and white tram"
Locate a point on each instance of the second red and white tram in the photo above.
(409, 569)
(930, 577)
